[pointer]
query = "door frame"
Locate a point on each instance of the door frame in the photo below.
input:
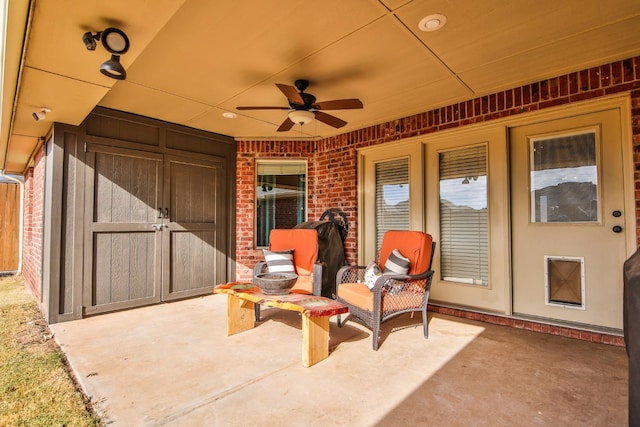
(413, 150)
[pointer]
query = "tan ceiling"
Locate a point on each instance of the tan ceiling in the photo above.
(192, 60)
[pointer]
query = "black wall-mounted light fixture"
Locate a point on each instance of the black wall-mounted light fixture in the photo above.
(116, 42)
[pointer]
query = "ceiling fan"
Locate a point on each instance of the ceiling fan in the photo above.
(303, 107)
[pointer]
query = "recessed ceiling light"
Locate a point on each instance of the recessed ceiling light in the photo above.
(229, 115)
(432, 22)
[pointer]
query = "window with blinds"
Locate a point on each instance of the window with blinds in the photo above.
(392, 197)
(464, 229)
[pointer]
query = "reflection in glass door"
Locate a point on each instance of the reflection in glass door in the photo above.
(564, 178)
(464, 219)
(392, 197)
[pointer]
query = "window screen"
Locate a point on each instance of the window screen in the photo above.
(464, 231)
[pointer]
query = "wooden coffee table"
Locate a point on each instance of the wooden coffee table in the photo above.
(316, 311)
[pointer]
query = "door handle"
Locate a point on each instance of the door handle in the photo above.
(617, 229)
(166, 213)
(157, 227)
(159, 213)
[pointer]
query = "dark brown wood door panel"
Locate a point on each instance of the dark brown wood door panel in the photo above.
(122, 245)
(194, 190)
(151, 233)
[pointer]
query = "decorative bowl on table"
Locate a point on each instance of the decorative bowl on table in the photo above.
(275, 283)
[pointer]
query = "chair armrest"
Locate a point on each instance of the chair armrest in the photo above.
(393, 279)
(405, 277)
(318, 271)
(350, 274)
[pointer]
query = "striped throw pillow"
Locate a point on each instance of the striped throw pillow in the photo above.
(279, 261)
(396, 263)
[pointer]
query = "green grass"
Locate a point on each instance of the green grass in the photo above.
(36, 388)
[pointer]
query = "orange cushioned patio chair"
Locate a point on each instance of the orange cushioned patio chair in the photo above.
(304, 243)
(374, 298)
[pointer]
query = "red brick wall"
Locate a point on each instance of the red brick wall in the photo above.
(33, 221)
(332, 161)
(246, 255)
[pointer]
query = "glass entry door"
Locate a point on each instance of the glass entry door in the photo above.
(568, 219)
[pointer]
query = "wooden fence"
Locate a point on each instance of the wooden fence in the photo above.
(9, 226)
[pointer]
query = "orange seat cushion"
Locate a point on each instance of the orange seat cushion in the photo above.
(357, 294)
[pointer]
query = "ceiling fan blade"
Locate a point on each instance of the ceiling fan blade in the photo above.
(339, 104)
(286, 125)
(291, 93)
(263, 108)
(330, 120)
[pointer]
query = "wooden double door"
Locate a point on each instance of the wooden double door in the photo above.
(152, 228)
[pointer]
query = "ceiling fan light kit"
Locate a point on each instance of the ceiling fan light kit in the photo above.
(116, 42)
(301, 117)
(303, 107)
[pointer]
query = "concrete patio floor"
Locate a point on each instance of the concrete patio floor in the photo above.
(173, 364)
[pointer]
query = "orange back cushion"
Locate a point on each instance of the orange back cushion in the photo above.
(304, 243)
(414, 245)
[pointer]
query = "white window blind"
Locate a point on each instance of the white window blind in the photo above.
(392, 197)
(464, 230)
